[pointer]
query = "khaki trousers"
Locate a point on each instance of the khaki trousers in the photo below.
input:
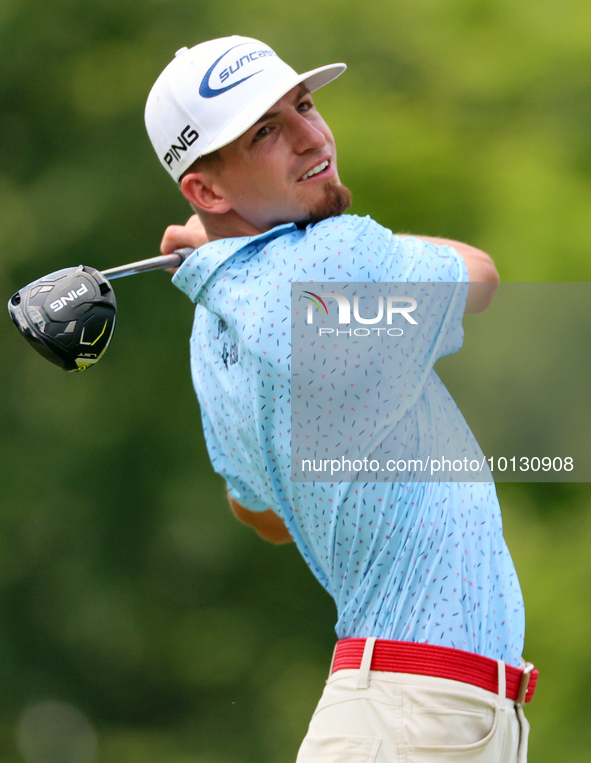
(378, 717)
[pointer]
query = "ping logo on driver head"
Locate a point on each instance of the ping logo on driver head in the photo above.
(71, 296)
(209, 87)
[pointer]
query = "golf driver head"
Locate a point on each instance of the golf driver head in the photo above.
(68, 316)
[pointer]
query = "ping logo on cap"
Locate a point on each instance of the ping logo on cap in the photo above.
(187, 137)
(205, 88)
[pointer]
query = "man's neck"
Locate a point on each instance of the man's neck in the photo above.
(229, 225)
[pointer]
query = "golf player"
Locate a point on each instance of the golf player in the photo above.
(430, 626)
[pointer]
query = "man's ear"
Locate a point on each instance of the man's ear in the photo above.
(199, 190)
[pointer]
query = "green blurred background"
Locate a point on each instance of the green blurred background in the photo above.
(136, 615)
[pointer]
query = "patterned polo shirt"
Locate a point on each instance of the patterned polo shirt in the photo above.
(416, 561)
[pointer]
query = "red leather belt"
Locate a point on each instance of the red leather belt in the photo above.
(440, 662)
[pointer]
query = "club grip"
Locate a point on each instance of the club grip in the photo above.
(162, 262)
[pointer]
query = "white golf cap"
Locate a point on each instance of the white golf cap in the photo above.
(212, 93)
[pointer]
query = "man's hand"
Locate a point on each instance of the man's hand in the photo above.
(191, 234)
(268, 525)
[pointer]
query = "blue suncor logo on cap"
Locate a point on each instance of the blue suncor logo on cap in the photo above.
(206, 91)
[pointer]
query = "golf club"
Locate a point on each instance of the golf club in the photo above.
(69, 316)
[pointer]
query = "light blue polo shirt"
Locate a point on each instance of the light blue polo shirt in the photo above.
(416, 561)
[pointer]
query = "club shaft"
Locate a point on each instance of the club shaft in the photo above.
(173, 260)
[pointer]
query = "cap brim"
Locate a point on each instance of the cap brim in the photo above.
(254, 110)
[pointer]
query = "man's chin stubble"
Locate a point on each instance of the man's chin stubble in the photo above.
(337, 199)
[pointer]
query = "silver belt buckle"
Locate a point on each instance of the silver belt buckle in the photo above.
(524, 683)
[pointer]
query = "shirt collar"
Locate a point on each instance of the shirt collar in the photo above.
(200, 266)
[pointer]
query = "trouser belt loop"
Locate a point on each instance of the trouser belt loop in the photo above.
(524, 683)
(364, 668)
(502, 683)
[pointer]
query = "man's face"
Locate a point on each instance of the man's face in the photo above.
(284, 168)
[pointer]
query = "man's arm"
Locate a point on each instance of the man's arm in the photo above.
(483, 275)
(266, 523)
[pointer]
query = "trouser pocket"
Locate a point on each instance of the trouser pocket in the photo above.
(454, 731)
(332, 749)
(442, 725)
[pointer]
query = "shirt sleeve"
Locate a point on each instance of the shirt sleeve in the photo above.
(444, 300)
(452, 337)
